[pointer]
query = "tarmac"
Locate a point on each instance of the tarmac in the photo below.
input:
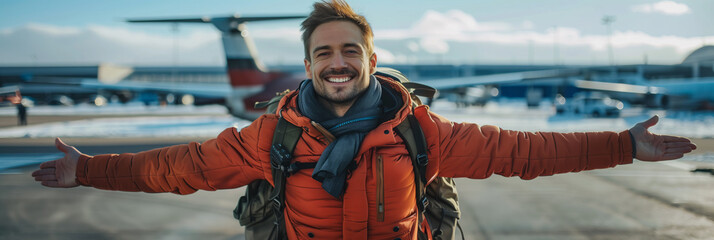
(672, 200)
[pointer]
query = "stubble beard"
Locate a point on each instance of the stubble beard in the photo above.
(335, 99)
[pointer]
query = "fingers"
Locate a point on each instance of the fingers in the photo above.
(45, 171)
(49, 164)
(679, 144)
(668, 138)
(684, 149)
(45, 175)
(44, 178)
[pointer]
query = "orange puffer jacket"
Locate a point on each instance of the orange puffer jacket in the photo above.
(384, 171)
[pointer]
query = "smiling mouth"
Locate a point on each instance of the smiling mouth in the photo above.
(338, 79)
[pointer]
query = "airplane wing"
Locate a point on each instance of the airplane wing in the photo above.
(210, 90)
(9, 89)
(501, 78)
(85, 79)
(236, 17)
(618, 87)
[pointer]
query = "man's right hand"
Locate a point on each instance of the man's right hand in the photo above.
(60, 173)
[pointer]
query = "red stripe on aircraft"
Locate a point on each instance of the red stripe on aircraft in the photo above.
(248, 77)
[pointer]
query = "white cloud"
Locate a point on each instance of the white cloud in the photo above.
(527, 24)
(664, 7)
(49, 44)
(434, 45)
(195, 39)
(384, 56)
(439, 33)
(454, 23)
(413, 46)
(53, 30)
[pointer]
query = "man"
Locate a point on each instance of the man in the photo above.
(339, 198)
(21, 114)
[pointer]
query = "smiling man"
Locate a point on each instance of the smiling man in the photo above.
(363, 183)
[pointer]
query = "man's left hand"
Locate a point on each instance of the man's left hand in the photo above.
(652, 147)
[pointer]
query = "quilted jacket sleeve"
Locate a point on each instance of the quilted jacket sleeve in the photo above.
(229, 161)
(473, 151)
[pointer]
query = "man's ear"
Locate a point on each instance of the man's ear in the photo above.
(373, 63)
(308, 73)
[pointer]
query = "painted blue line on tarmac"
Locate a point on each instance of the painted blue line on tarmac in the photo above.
(13, 160)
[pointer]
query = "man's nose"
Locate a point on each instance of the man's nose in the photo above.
(338, 61)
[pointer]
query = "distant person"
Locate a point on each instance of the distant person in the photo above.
(333, 200)
(21, 114)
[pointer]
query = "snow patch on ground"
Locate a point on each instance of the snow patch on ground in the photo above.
(208, 121)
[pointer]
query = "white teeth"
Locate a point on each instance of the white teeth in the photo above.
(339, 80)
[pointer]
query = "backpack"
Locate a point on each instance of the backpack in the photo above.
(437, 202)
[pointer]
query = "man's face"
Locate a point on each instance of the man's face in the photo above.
(339, 63)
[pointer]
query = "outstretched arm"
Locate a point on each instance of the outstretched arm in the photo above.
(653, 147)
(469, 150)
(231, 160)
(60, 172)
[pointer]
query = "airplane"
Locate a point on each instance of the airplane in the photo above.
(250, 82)
(249, 79)
(685, 86)
(688, 85)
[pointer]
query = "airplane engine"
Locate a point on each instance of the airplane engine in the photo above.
(60, 100)
(656, 100)
(187, 99)
(98, 100)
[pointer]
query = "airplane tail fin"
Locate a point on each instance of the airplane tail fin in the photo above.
(248, 77)
(244, 67)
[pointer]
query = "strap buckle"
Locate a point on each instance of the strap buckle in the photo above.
(422, 159)
(291, 169)
(424, 202)
(277, 205)
(279, 157)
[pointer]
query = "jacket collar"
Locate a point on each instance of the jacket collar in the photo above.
(287, 108)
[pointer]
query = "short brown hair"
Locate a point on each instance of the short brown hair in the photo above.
(336, 10)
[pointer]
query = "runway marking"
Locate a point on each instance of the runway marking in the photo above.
(10, 161)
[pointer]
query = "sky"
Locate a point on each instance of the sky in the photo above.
(80, 32)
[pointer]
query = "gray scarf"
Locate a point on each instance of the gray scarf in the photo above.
(349, 131)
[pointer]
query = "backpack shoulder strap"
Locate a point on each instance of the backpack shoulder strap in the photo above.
(284, 140)
(286, 134)
(414, 139)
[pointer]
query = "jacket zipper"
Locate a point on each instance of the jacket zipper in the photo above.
(380, 189)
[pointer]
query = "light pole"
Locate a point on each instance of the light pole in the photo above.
(556, 47)
(607, 21)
